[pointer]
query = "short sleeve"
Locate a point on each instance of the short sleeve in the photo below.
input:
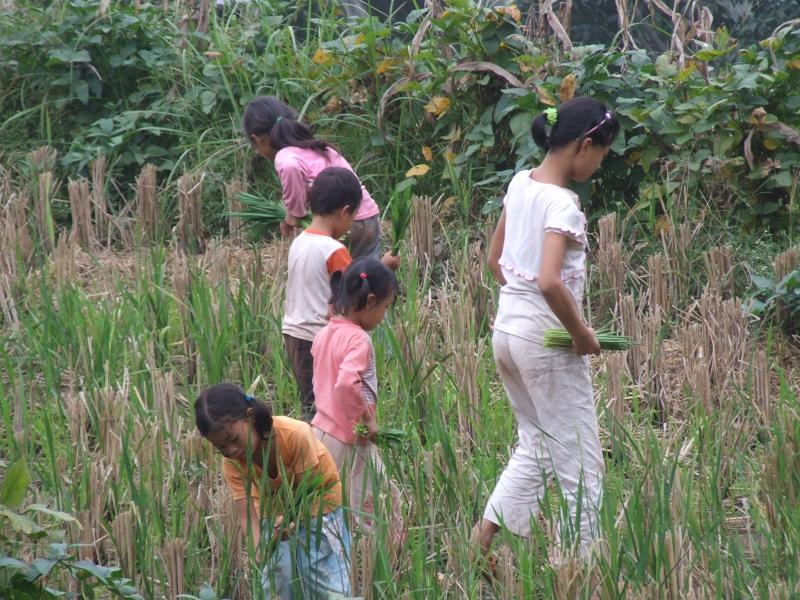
(304, 450)
(564, 217)
(338, 261)
(232, 472)
(293, 183)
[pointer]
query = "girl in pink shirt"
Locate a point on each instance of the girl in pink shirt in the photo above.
(346, 384)
(273, 129)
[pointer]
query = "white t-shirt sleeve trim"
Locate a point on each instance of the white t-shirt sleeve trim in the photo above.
(565, 218)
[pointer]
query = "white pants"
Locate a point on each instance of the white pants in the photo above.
(360, 466)
(550, 392)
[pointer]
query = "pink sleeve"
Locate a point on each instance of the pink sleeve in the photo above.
(348, 388)
(294, 188)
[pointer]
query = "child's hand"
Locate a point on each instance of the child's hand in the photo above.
(391, 260)
(279, 532)
(585, 342)
(372, 429)
(289, 225)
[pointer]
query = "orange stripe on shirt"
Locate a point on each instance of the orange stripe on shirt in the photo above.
(338, 261)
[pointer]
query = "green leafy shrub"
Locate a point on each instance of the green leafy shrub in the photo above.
(778, 301)
(25, 530)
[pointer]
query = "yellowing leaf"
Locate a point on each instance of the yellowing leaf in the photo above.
(566, 91)
(511, 10)
(770, 144)
(663, 225)
(545, 97)
(333, 106)
(633, 158)
(427, 153)
(793, 64)
(438, 106)
(449, 155)
(385, 66)
(322, 57)
(448, 204)
(417, 171)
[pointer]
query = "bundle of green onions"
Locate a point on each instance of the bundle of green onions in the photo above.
(387, 436)
(560, 338)
(260, 214)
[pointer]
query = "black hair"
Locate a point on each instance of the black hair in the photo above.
(575, 119)
(364, 276)
(334, 188)
(224, 403)
(266, 115)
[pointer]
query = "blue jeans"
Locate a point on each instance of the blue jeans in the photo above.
(311, 563)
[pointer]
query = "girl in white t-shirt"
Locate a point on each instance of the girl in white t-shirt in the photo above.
(538, 255)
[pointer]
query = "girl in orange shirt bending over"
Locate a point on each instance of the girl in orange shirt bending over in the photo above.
(287, 492)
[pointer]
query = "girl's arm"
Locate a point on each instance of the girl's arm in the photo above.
(559, 298)
(254, 524)
(294, 194)
(496, 249)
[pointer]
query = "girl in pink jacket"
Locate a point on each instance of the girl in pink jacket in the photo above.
(346, 385)
(276, 134)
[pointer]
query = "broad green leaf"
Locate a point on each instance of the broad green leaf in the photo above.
(56, 514)
(15, 484)
(22, 524)
(7, 562)
(43, 566)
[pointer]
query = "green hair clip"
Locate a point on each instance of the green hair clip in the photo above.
(552, 115)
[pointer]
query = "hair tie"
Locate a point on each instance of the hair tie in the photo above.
(249, 399)
(362, 275)
(278, 120)
(552, 115)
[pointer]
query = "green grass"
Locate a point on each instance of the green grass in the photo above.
(130, 353)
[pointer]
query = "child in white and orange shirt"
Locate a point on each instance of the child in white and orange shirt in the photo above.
(315, 254)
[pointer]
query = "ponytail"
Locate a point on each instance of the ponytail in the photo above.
(576, 120)
(539, 132)
(350, 289)
(266, 115)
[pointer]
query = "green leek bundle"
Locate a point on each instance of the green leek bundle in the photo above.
(261, 215)
(560, 338)
(387, 437)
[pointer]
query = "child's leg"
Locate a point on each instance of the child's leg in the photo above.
(365, 238)
(302, 362)
(324, 560)
(568, 408)
(516, 495)
(276, 577)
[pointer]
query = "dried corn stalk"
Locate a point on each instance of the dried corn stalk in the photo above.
(16, 244)
(786, 262)
(235, 224)
(44, 217)
(190, 213)
(65, 264)
(102, 217)
(610, 263)
(422, 229)
(173, 553)
(80, 204)
(761, 388)
(719, 270)
(146, 202)
(123, 533)
(660, 284)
